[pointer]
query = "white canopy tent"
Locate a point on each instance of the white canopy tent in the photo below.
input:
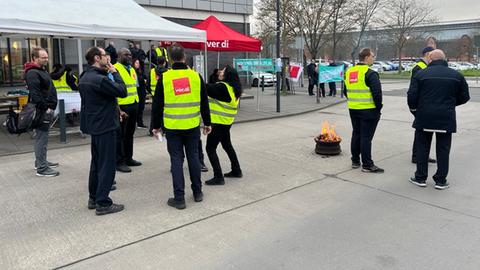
(122, 19)
(90, 19)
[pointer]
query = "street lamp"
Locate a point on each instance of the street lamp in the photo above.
(278, 56)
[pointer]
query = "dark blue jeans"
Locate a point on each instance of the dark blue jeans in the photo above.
(424, 140)
(364, 123)
(177, 141)
(102, 167)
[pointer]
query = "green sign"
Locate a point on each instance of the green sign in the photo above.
(254, 65)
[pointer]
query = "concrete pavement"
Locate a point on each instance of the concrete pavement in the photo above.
(292, 210)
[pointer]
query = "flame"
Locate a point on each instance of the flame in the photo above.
(328, 133)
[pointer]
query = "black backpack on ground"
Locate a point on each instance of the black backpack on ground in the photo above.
(25, 120)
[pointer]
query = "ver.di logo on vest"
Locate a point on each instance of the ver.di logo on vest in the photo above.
(353, 77)
(181, 86)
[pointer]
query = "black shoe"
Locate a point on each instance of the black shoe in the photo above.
(373, 169)
(47, 172)
(123, 168)
(198, 197)
(215, 182)
(133, 163)
(142, 126)
(104, 210)
(113, 187)
(176, 203)
(50, 164)
(442, 186)
(203, 168)
(234, 174)
(419, 183)
(355, 165)
(91, 204)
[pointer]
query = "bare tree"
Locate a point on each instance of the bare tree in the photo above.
(401, 17)
(343, 20)
(366, 11)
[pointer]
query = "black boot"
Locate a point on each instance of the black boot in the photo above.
(215, 181)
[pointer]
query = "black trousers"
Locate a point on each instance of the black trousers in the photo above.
(102, 168)
(414, 147)
(221, 134)
(125, 136)
(177, 141)
(424, 140)
(200, 153)
(322, 90)
(142, 94)
(364, 125)
(333, 89)
(311, 84)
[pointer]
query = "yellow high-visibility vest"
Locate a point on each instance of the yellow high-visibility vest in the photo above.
(130, 80)
(162, 52)
(153, 81)
(359, 95)
(182, 99)
(61, 84)
(223, 112)
(421, 65)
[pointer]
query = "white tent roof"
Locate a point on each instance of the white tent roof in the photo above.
(123, 19)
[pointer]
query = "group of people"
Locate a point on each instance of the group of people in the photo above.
(434, 92)
(181, 99)
(313, 80)
(110, 106)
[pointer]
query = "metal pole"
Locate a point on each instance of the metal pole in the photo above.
(478, 65)
(79, 52)
(278, 56)
(61, 118)
(60, 51)
(206, 62)
(218, 59)
(258, 87)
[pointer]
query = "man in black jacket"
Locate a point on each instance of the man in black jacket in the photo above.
(432, 97)
(44, 96)
(100, 119)
(312, 77)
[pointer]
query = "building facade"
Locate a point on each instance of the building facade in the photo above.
(15, 51)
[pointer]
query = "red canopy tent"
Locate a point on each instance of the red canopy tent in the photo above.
(222, 38)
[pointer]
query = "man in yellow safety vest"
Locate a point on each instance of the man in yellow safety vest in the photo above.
(180, 98)
(128, 111)
(364, 98)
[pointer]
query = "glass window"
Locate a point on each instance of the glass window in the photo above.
(19, 56)
(5, 59)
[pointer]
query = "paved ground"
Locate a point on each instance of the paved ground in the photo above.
(292, 210)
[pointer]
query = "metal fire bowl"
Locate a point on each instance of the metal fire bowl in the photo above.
(328, 148)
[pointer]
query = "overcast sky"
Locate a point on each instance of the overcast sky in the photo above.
(450, 10)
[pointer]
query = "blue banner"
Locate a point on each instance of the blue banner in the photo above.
(328, 74)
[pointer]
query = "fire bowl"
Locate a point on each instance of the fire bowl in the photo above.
(327, 148)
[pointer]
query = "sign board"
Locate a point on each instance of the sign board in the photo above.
(295, 71)
(198, 65)
(328, 74)
(254, 65)
(72, 100)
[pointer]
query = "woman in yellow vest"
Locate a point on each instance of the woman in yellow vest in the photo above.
(223, 99)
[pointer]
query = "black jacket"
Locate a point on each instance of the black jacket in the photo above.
(158, 70)
(41, 90)
(99, 101)
(159, 101)
(218, 91)
(113, 53)
(417, 68)
(433, 94)
(71, 80)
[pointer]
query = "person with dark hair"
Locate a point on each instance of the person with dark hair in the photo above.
(139, 53)
(422, 64)
(180, 98)
(364, 97)
(112, 52)
(44, 96)
(142, 92)
(63, 79)
(214, 76)
(152, 80)
(128, 111)
(100, 119)
(312, 77)
(223, 100)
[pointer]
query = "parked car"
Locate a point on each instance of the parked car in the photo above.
(454, 66)
(256, 77)
(385, 66)
(377, 67)
(393, 65)
(466, 65)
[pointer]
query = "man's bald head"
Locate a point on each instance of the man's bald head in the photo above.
(437, 55)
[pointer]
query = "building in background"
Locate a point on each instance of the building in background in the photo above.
(15, 51)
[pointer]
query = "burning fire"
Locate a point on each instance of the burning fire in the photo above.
(328, 134)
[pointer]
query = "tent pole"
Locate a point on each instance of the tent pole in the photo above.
(206, 62)
(218, 59)
(60, 51)
(79, 52)
(259, 81)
